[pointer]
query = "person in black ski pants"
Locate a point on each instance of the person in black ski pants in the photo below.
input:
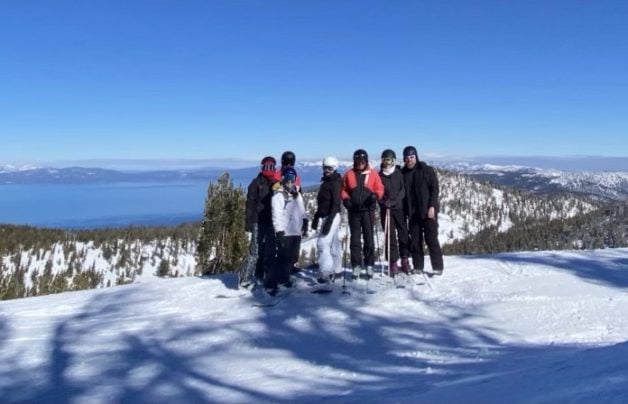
(258, 221)
(421, 210)
(288, 212)
(391, 205)
(289, 159)
(361, 188)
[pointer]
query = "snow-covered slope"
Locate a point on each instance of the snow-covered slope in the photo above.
(527, 327)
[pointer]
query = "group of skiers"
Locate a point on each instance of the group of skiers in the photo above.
(276, 218)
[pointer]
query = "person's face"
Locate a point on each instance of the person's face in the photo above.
(410, 161)
(288, 185)
(359, 162)
(388, 162)
(328, 170)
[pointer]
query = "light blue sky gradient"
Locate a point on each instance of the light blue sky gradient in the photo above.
(213, 79)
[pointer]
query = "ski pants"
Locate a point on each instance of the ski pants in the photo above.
(397, 234)
(425, 229)
(361, 227)
(267, 250)
(329, 250)
(280, 272)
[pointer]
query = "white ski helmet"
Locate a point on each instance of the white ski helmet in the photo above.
(330, 161)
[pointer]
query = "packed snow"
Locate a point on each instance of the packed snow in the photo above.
(522, 327)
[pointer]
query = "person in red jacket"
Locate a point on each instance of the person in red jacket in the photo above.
(361, 189)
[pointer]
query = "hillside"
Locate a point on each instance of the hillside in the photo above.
(608, 185)
(527, 327)
(606, 227)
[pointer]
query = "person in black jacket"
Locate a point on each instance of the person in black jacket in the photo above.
(258, 221)
(391, 206)
(421, 210)
(328, 211)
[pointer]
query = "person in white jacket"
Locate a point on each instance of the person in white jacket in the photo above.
(288, 212)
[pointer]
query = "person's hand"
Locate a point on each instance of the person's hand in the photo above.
(347, 204)
(304, 227)
(431, 213)
(315, 223)
(279, 239)
(370, 200)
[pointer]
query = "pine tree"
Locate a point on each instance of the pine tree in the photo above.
(222, 241)
(164, 268)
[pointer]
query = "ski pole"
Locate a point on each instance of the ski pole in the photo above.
(387, 235)
(377, 243)
(344, 266)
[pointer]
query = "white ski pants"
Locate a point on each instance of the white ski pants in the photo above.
(329, 249)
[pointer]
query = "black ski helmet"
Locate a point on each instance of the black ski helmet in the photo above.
(288, 159)
(360, 154)
(390, 154)
(410, 151)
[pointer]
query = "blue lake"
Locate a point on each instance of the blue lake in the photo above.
(98, 205)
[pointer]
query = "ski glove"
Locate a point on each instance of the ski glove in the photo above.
(304, 227)
(327, 224)
(279, 239)
(370, 200)
(347, 204)
(315, 223)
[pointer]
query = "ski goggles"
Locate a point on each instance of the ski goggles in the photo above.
(328, 168)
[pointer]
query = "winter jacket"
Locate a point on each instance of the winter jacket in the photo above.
(328, 198)
(394, 189)
(422, 190)
(288, 213)
(360, 189)
(258, 202)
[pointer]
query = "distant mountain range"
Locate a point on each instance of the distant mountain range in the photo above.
(601, 184)
(611, 185)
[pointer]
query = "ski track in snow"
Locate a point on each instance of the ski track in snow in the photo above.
(522, 327)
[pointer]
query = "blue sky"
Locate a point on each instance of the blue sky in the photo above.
(210, 79)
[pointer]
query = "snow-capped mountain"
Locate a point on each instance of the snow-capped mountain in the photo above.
(527, 327)
(12, 168)
(602, 184)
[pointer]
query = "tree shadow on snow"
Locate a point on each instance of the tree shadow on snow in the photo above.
(336, 346)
